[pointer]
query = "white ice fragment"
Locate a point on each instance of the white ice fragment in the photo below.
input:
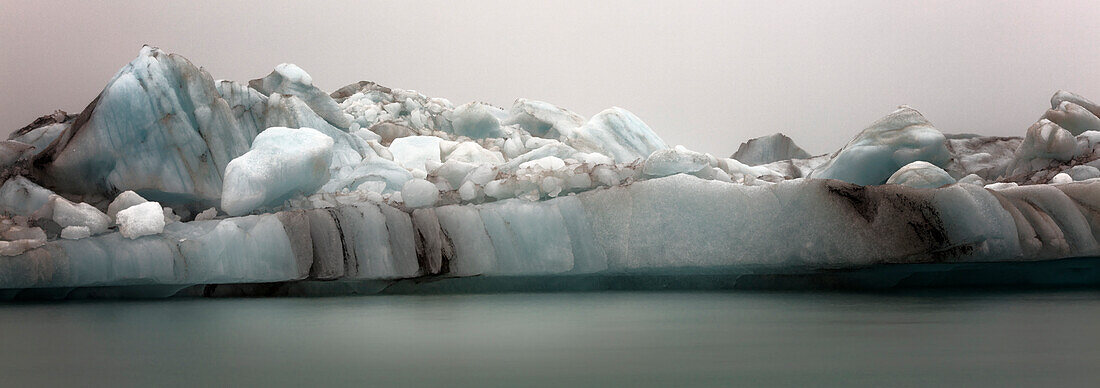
(122, 201)
(546, 163)
(674, 161)
(66, 213)
(1061, 178)
(75, 232)
(471, 152)
(372, 186)
(413, 152)
(141, 220)
(1001, 186)
(283, 162)
(207, 214)
(468, 191)
(418, 193)
(482, 174)
(921, 175)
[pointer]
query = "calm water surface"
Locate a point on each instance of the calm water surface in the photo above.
(584, 339)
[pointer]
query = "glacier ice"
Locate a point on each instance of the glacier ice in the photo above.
(768, 149)
(921, 175)
(283, 162)
(124, 201)
(900, 138)
(140, 220)
(174, 180)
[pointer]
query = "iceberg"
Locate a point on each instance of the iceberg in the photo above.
(172, 183)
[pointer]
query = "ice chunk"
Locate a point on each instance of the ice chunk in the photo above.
(283, 162)
(290, 79)
(20, 239)
(477, 120)
(1001, 186)
(66, 213)
(768, 149)
(619, 134)
(1061, 178)
(389, 131)
(471, 152)
(75, 232)
(1072, 117)
(12, 151)
(902, 137)
(122, 201)
(972, 179)
(207, 214)
(1073, 112)
(413, 152)
(1045, 141)
(543, 119)
(141, 220)
(546, 163)
(418, 193)
(20, 196)
(1083, 172)
(674, 161)
(921, 175)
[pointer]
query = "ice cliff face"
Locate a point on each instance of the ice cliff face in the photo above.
(170, 179)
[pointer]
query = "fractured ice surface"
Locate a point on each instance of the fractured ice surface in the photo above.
(169, 178)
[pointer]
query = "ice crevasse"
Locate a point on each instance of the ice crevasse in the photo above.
(173, 183)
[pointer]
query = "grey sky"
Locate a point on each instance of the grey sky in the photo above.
(707, 75)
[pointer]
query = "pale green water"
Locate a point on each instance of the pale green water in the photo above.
(593, 339)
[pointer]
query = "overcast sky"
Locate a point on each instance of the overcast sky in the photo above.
(707, 75)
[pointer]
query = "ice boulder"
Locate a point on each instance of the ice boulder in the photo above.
(674, 161)
(902, 137)
(66, 213)
(543, 119)
(20, 196)
(768, 149)
(617, 133)
(419, 193)
(283, 162)
(141, 220)
(414, 152)
(1061, 178)
(290, 79)
(1045, 141)
(1083, 172)
(476, 120)
(75, 232)
(1072, 112)
(921, 175)
(123, 201)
